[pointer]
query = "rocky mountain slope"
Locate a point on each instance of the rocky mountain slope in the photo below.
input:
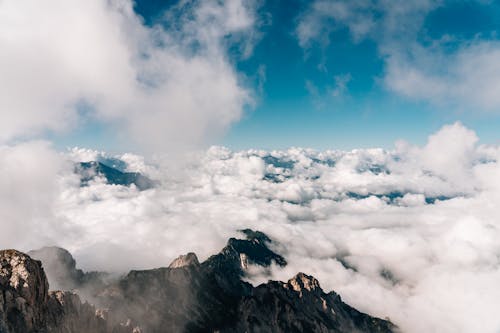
(89, 170)
(27, 306)
(188, 296)
(61, 271)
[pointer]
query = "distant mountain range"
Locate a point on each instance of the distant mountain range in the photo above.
(89, 170)
(187, 296)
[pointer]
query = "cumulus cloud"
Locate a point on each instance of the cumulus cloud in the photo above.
(167, 85)
(447, 70)
(409, 233)
(29, 187)
(469, 77)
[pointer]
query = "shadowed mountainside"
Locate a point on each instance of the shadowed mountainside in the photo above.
(27, 306)
(89, 170)
(187, 296)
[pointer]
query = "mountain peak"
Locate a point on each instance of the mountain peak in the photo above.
(184, 260)
(19, 271)
(255, 249)
(89, 170)
(27, 306)
(60, 268)
(301, 282)
(256, 236)
(212, 296)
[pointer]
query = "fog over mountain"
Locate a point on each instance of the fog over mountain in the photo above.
(186, 296)
(409, 233)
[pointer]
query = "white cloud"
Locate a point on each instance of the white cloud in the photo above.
(447, 71)
(28, 189)
(323, 16)
(338, 90)
(397, 233)
(64, 60)
(385, 21)
(468, 78)
(341, 82)
(358, 220)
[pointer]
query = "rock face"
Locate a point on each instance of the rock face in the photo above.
(185, 260)
(27, 306)
(61, 271)
(24, 293)
(188, 296)
(89, 170)
(211, 297)
(300, 305)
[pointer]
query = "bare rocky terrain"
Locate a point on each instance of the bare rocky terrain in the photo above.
(187, 296)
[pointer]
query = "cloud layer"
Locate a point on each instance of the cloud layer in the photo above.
(445, 70)
(409, 233)
(169, 85)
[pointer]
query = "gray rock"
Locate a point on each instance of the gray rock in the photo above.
(212, 296)
(27, 306)
(188, 296)
(62, 274)
(184, 260)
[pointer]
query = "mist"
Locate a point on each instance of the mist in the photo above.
(161, 88)
(396, 232)
(410, 232)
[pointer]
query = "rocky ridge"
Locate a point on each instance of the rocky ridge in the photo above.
(89, 170)
(185, 260)
(187, 296)
(27, 306)
(61, 271)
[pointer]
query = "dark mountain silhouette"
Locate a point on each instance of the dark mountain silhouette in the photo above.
(187, 296)
(89, 170)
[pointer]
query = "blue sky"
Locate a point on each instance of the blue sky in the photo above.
(295, 108)
(348, 74)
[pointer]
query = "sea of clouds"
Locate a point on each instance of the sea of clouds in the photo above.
(409, 233)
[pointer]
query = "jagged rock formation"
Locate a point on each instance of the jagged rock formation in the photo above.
(211, 297)
(89, 170)
(188, 296)
(27, 306)
(24, 293)
(300, 305)
(61, 271)
(185, 260)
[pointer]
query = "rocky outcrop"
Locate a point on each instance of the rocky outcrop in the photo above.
(188, 296)
(212, 297)
(302, 282)
(185, 260)
(89, 170)
(61, 271)
(27, 306)
(300, 305)
(23, 293)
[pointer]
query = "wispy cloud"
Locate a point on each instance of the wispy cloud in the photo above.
(338, 90)
(168, 85)
(409, 233)
(462, 74)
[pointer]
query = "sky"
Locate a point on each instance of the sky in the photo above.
(128, 81)
(336, 88)
(333, 91)
(152, 75)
